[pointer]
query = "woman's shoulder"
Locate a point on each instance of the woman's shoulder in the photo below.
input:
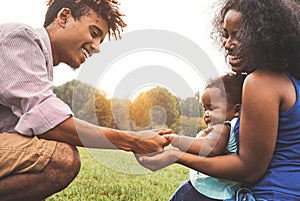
(266, 78)
(267, 83)
(275, 86)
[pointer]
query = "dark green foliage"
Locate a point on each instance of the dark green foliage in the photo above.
(191, 107)
(75, 94)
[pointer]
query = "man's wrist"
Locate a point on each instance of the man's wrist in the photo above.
(129, 140)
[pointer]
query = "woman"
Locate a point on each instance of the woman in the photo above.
(262, 38)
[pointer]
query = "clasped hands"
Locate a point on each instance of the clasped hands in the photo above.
(163, 156)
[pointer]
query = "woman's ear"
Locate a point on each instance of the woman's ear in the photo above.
(237, 109)
(63, 15)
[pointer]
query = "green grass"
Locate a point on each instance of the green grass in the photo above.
(115, 176)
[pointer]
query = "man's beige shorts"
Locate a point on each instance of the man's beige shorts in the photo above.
(21, 154)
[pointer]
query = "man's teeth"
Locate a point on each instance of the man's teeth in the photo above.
(85, 52)
(232, 57)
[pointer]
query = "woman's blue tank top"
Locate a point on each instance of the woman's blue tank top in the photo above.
(282, 179)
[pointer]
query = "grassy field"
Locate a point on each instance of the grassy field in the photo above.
(115, 176)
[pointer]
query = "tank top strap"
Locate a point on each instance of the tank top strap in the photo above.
(236, 132)
(295, 82)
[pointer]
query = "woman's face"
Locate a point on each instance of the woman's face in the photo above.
(231, 39)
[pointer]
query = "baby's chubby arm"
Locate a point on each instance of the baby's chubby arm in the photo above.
(210, 142)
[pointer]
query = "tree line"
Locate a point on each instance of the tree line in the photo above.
(151, 109)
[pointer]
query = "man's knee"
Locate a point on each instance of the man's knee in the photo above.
(64, 164)
(59, 172)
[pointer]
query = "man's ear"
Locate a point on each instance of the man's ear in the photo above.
(237, 109)
(63, 15)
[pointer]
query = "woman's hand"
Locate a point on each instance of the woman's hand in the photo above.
(158, 161)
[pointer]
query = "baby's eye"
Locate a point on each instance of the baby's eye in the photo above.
(207, 109)
(213, 107)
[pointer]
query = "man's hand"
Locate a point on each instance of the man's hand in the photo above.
(151, 141)
(163, 131)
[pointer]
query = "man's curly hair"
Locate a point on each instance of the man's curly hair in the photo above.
(269, 33)
(106, 9)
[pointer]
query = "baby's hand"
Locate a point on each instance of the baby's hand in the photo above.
(204, 132)
(165, 133)
(173, 139)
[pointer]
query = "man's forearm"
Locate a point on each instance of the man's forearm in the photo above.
(80, 133)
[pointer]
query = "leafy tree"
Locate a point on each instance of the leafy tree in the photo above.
(65, 92)
(103, 110)
(189, 126)
(87, 102)
(97, 110)
(190, 121)
(82, 93)
(120, 114)
(75, 94)
(191, 107)
(88, 112)
(139, 111)
(154, 108)
(166, 103)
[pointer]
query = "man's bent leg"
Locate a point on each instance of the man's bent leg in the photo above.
(59, 172)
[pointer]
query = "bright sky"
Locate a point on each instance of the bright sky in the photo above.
(190, 18)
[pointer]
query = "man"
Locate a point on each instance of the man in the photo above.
(38, 136)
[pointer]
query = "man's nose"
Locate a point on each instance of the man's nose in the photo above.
(95, 48)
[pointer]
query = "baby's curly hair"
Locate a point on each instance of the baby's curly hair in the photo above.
(106, 9)
(269, 33)
(230, 85)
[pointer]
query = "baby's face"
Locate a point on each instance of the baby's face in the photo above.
(216, 109)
